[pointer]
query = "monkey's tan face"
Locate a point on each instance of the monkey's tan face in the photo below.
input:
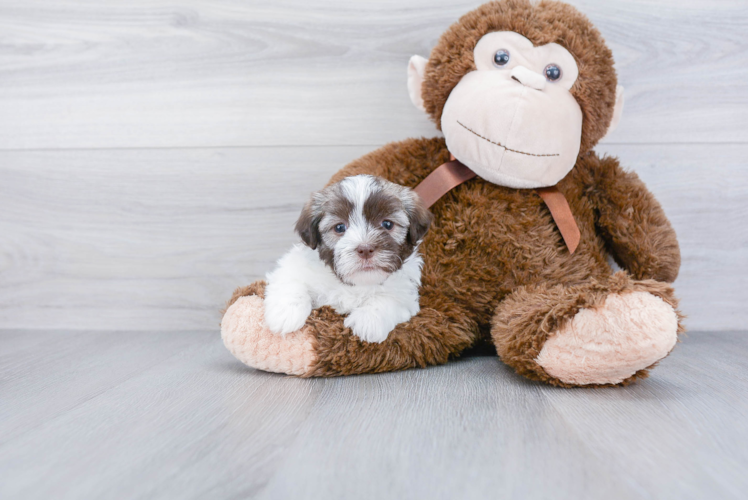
(513, 120)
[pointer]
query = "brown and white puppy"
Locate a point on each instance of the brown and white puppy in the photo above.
(360, 257)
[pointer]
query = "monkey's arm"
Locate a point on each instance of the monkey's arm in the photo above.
(637, 232)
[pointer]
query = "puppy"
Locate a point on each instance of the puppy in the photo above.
(360, 257)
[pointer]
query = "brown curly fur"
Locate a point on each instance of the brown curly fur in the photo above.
(495, 266)
(488, 243)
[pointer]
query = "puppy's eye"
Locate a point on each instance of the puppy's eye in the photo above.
(387, 224)
(340, 228)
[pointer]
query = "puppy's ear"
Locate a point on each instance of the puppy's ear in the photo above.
(420, 219)
(308, 224)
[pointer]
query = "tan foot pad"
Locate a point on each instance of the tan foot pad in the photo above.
(608, 344)
(244, 333)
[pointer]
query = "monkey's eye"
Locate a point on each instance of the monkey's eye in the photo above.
(340, 228)
(501, 58)
(552, 73)
(387, 224)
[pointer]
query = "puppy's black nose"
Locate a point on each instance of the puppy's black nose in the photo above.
(365, 251)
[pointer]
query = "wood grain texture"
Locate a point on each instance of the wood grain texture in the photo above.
(174, 416)
(158, 239)
(138, 237)
(153, 429)
(157, 73)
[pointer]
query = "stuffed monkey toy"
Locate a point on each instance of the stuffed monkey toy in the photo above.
(517, 254)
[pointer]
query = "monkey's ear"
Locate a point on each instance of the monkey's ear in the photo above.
(419, 218)
(308, 224)
(617, 111)
(416, 70)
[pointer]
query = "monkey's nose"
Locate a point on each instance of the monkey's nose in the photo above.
(528, 78)
(365, 251)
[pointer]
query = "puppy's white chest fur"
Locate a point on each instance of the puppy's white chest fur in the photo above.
(303, 282)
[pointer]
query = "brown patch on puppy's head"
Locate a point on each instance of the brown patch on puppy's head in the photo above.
(542, 23)
(382, 204)
(332, 202)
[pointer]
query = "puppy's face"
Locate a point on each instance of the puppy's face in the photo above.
(364, 227)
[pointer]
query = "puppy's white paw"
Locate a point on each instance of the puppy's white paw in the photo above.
(369, 325)
(286, 314)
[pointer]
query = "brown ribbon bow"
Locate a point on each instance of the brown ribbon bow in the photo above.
(453, 173)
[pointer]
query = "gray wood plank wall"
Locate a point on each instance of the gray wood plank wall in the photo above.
(154, 155)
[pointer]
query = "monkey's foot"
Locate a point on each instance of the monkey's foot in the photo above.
(245, 335)
(608, 344)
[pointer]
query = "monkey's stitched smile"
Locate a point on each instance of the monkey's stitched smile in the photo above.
(499, 144)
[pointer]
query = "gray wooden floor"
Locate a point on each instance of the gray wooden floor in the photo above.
(173, 415)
